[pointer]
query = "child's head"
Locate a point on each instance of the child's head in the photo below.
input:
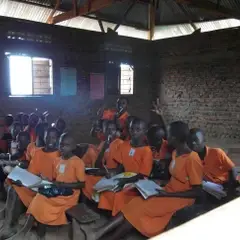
(16, 129)
(196, 140)
(41, 130)
(111, 129)
(138, 129)
(33, 120)
(60, 125)
(25, 119)
(178, 133)
(155, 136)
(122, 104)
(9, 120)
(67, 145)
(51, 139)
(23, 139)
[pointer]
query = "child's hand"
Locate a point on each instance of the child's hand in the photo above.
(17, 183)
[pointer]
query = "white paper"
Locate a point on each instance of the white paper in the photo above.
(147, 188)
(27, 179)
(110, 184)
(24, 176)
(214, 189)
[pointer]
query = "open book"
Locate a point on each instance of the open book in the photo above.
(147, 188)
(111, 184)
(214, 189)
(28, 179)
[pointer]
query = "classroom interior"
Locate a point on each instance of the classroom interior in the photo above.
(186, 53)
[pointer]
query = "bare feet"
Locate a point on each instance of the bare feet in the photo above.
(85, 231)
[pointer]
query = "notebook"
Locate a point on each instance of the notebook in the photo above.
(111, 184)
(214, 189)
(28, 179)
(147, 188)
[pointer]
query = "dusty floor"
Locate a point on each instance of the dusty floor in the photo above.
(61, 233)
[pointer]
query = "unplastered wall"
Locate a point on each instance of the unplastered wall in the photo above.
(198, 81)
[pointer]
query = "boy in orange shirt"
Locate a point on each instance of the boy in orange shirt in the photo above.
(151, 216)
(69, 172)
(217, 166)
(132, 156)
(105, 157)
(19, 196)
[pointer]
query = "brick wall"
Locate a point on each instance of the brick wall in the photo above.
(198, 81)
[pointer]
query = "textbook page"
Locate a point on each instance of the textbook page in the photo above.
(214, 189)
(109, 184)
(147, 188)
(27, 178)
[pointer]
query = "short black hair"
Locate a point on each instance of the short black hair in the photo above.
(53, 129)
(180, 131)
(139, 121)
(156, 132)
(124, 98)
(109, 122)
(25, 134)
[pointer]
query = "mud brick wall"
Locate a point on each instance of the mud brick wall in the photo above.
(198, 81)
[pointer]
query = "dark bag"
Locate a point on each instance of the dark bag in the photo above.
(54, 191)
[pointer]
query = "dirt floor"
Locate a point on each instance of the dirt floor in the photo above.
(62, 233)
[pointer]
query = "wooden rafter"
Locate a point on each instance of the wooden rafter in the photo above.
(89, 7)
(151, 19)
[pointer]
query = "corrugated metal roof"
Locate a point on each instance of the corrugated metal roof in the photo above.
(163, 32)
(40, 14)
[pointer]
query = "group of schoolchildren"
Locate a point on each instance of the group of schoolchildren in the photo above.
(174, 153)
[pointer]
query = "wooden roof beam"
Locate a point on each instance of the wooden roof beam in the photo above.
(89, 7)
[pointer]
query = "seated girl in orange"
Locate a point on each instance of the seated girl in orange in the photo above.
(132, 156)
(105, 157)
(41, 165)
(92, 152)
(32, 123)
(217, 166)
(69, 171)
(19, 157)
(151, 216)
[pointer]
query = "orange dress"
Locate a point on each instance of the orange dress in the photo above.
(151, 216)
(90, 157)
(108, 114)
(136, 160)
(31, 150)
(51, 211)
(162, 152)
(216, 165)
(42, 163)
(108, 161)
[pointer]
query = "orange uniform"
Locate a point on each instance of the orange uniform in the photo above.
(136, 160)
(216, 165)
(163, 151)
(51, 211)
(109, 114)
(151, 216)
(42, 163)
(109, 161)
(90, 157)
(31, 150)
